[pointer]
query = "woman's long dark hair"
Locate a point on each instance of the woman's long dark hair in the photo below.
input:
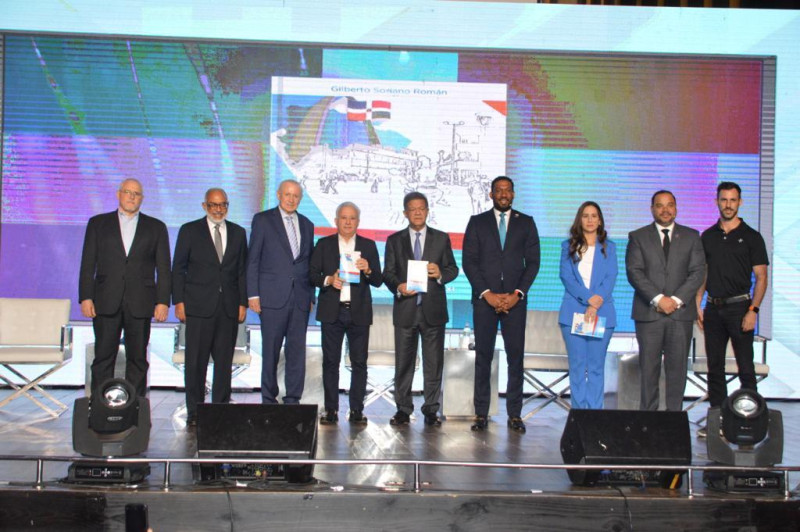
(577, 242)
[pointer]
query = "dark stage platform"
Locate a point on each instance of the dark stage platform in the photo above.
(413, 495)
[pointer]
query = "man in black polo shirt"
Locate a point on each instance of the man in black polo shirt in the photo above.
(734, 252)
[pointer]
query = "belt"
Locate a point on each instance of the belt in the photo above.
(345, 304)
(719, 301)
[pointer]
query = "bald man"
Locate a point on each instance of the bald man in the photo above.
(124, 284)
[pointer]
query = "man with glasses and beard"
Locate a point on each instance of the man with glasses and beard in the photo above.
(208, 289)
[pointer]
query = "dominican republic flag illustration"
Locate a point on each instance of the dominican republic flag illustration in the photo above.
(357, 110)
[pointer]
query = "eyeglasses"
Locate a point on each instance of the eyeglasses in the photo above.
(223, 205)
(131, 193)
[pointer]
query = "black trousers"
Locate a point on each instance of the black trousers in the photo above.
(512, 326)
(358, 341)
(720, 324)
(406, 340)
(214, 337)
(107, 331)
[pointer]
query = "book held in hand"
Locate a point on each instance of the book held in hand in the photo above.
(417, 276)
(595, 327)
(347, 267)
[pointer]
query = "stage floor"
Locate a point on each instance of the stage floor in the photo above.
(25, 430)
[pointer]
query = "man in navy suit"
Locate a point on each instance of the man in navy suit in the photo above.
(208, 290)
(124, 283)
(501, 260)
(665, 265)
(418, 314)
(345, 307)
(279, 290)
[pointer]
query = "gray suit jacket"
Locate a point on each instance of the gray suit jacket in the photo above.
(651, 274)
(434, 303)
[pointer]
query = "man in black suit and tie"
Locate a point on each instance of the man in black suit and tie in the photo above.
(209, 294)
(665, 265)
(501, 260)
(124, 283)
(345, 307)
(278, 288)
(418, 314)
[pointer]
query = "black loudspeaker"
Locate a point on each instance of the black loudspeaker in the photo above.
(274, 432)
(626, 437)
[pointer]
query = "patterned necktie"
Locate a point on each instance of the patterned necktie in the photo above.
(292, 237)
(502, 230)
(418, 256)
(665, 243)
(218, 241)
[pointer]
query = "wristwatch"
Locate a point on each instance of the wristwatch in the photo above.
(754, 308)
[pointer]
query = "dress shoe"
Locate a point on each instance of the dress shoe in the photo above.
(331, 417)
(400, 418)
(432, 420)
(702, 433)
(516, 424)
(357, 417)
(191, 421)
(481, 423)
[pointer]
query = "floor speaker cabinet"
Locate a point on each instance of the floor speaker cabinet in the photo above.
(264, 432)
(627, 437)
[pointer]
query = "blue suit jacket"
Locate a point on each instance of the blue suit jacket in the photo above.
(272, 272)
(576, 295)
(500, 269)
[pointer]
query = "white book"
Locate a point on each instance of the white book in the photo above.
(417, 278)
(347, 267)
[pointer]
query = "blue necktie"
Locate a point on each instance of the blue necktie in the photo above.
(418, 256)
(502, 230)
(292, 237)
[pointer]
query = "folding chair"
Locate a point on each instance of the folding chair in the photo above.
(34, 332)
(241, 354)
(545, 351)
(381, 354)
(699, 367)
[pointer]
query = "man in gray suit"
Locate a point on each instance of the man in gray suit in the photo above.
(666, 266)
(418, 314)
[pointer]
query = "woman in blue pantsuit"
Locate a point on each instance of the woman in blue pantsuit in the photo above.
(589, 272)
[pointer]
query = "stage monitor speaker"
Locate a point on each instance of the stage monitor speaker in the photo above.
(623, 437)
(274, 432)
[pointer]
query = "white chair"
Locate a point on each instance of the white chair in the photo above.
(380, 355)
(699, 364)
(34, 332)
(241, 353)
(545, 351)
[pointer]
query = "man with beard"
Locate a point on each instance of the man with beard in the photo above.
(734, 252)
(665, 266)
(501, 260)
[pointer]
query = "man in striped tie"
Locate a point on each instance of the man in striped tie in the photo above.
(279, 290)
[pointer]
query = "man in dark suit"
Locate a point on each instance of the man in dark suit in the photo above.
(279, 290)
(124, 283)
(345, 307)
(209, 294)
(665, 266)
(501, 260)
(418, 314)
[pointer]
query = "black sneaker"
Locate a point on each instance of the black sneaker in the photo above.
(331, 417)
(357, 417)
(400, 418)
